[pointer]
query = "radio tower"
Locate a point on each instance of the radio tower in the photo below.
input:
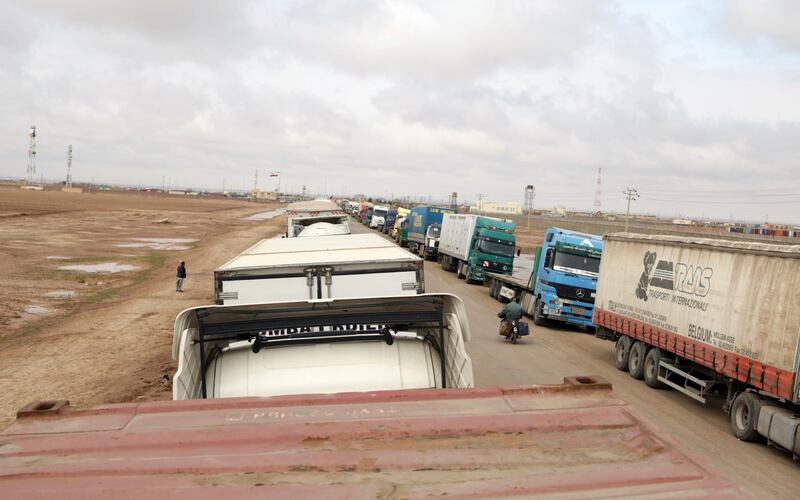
(598, 193)
(32, 155)
(530, 194)
(69, 166)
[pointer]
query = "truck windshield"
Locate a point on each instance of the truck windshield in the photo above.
(494, 248)
(434, 231)
(578, 264)
(379, 213)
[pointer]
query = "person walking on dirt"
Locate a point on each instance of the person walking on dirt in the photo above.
(180, 277)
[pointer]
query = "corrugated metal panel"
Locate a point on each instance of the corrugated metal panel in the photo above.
(574, 440)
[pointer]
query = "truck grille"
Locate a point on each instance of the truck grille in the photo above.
(573, 292)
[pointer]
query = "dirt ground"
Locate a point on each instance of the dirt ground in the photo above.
(105, 337)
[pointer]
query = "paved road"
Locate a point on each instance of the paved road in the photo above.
(551, 353)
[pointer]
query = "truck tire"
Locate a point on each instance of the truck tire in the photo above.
(622, 351)
(636, 360)
(494, 290)
(467, 275)
(539, 319)
(460, 269)
(744, 417)
(652, 361)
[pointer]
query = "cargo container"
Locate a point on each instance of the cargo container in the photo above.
(473, 244)
(354, 265)
(570, 440)
(424, 228)
(704, 317)
(326, 217)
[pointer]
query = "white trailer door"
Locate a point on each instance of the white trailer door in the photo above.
(257, 291)
(371, 285)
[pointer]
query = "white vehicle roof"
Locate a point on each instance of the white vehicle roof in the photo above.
(316, 205)
(336, 249)
(323, 229)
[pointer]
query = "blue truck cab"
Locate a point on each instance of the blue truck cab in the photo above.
(391, 217)
(424, 230)
(564, 278)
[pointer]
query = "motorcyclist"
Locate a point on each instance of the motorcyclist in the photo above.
(511, 313)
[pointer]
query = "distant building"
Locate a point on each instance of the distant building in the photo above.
(495, 207)
(683, 222)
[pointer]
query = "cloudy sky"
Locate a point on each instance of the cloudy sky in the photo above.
(695, 104)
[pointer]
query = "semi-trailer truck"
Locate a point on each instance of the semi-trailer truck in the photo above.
(378, 219)
(368, 215)
(705, 316)
(473, 244)
(402, 215)
(325, 216)
(402, 232)
(391, 216)
(424, 229)
(563, 282)
(354, 265)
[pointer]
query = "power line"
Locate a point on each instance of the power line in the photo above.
(631, 194)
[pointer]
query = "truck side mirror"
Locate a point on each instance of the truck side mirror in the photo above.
(549, 257)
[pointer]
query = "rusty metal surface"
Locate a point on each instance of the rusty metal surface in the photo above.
(570, 440)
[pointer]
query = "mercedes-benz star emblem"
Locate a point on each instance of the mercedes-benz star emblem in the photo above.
(580, 293)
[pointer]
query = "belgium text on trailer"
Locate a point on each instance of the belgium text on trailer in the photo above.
(354, 265)
(707, 316)
(312, 347)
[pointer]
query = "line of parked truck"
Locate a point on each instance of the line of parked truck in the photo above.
(697, 315)
(323, 350)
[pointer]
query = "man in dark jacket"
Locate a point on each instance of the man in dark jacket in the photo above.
(511, 313)
(180, 277)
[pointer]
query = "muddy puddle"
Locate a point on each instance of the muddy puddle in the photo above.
(159, 243)
(61, 294)
(34, 309)
(266, 215)
(105, 267)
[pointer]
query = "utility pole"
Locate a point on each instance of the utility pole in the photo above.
(69, 166)
(631, 194)
(163, 184)
(598, 193)
(255, 186)
(32, 156)
(530, 194)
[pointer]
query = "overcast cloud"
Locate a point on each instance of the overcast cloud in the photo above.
(696, 104)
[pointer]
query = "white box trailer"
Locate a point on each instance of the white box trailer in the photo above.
(354, 265)
(316, 218)
(314, 347)
(456, 235)
(709, 316)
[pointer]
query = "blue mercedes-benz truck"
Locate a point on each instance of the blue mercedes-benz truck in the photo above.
(563, 282)
(424, 229)
(391, 217)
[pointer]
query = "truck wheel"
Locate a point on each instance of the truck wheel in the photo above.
(494, 290)
(622, 351)
(539, 319)
(460, 270)
(651, 368)
(467, 275)
(636, 360)
(744, 417)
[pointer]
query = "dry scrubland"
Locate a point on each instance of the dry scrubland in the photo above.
(104, 337)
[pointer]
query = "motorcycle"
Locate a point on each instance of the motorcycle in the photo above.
(512, 330)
